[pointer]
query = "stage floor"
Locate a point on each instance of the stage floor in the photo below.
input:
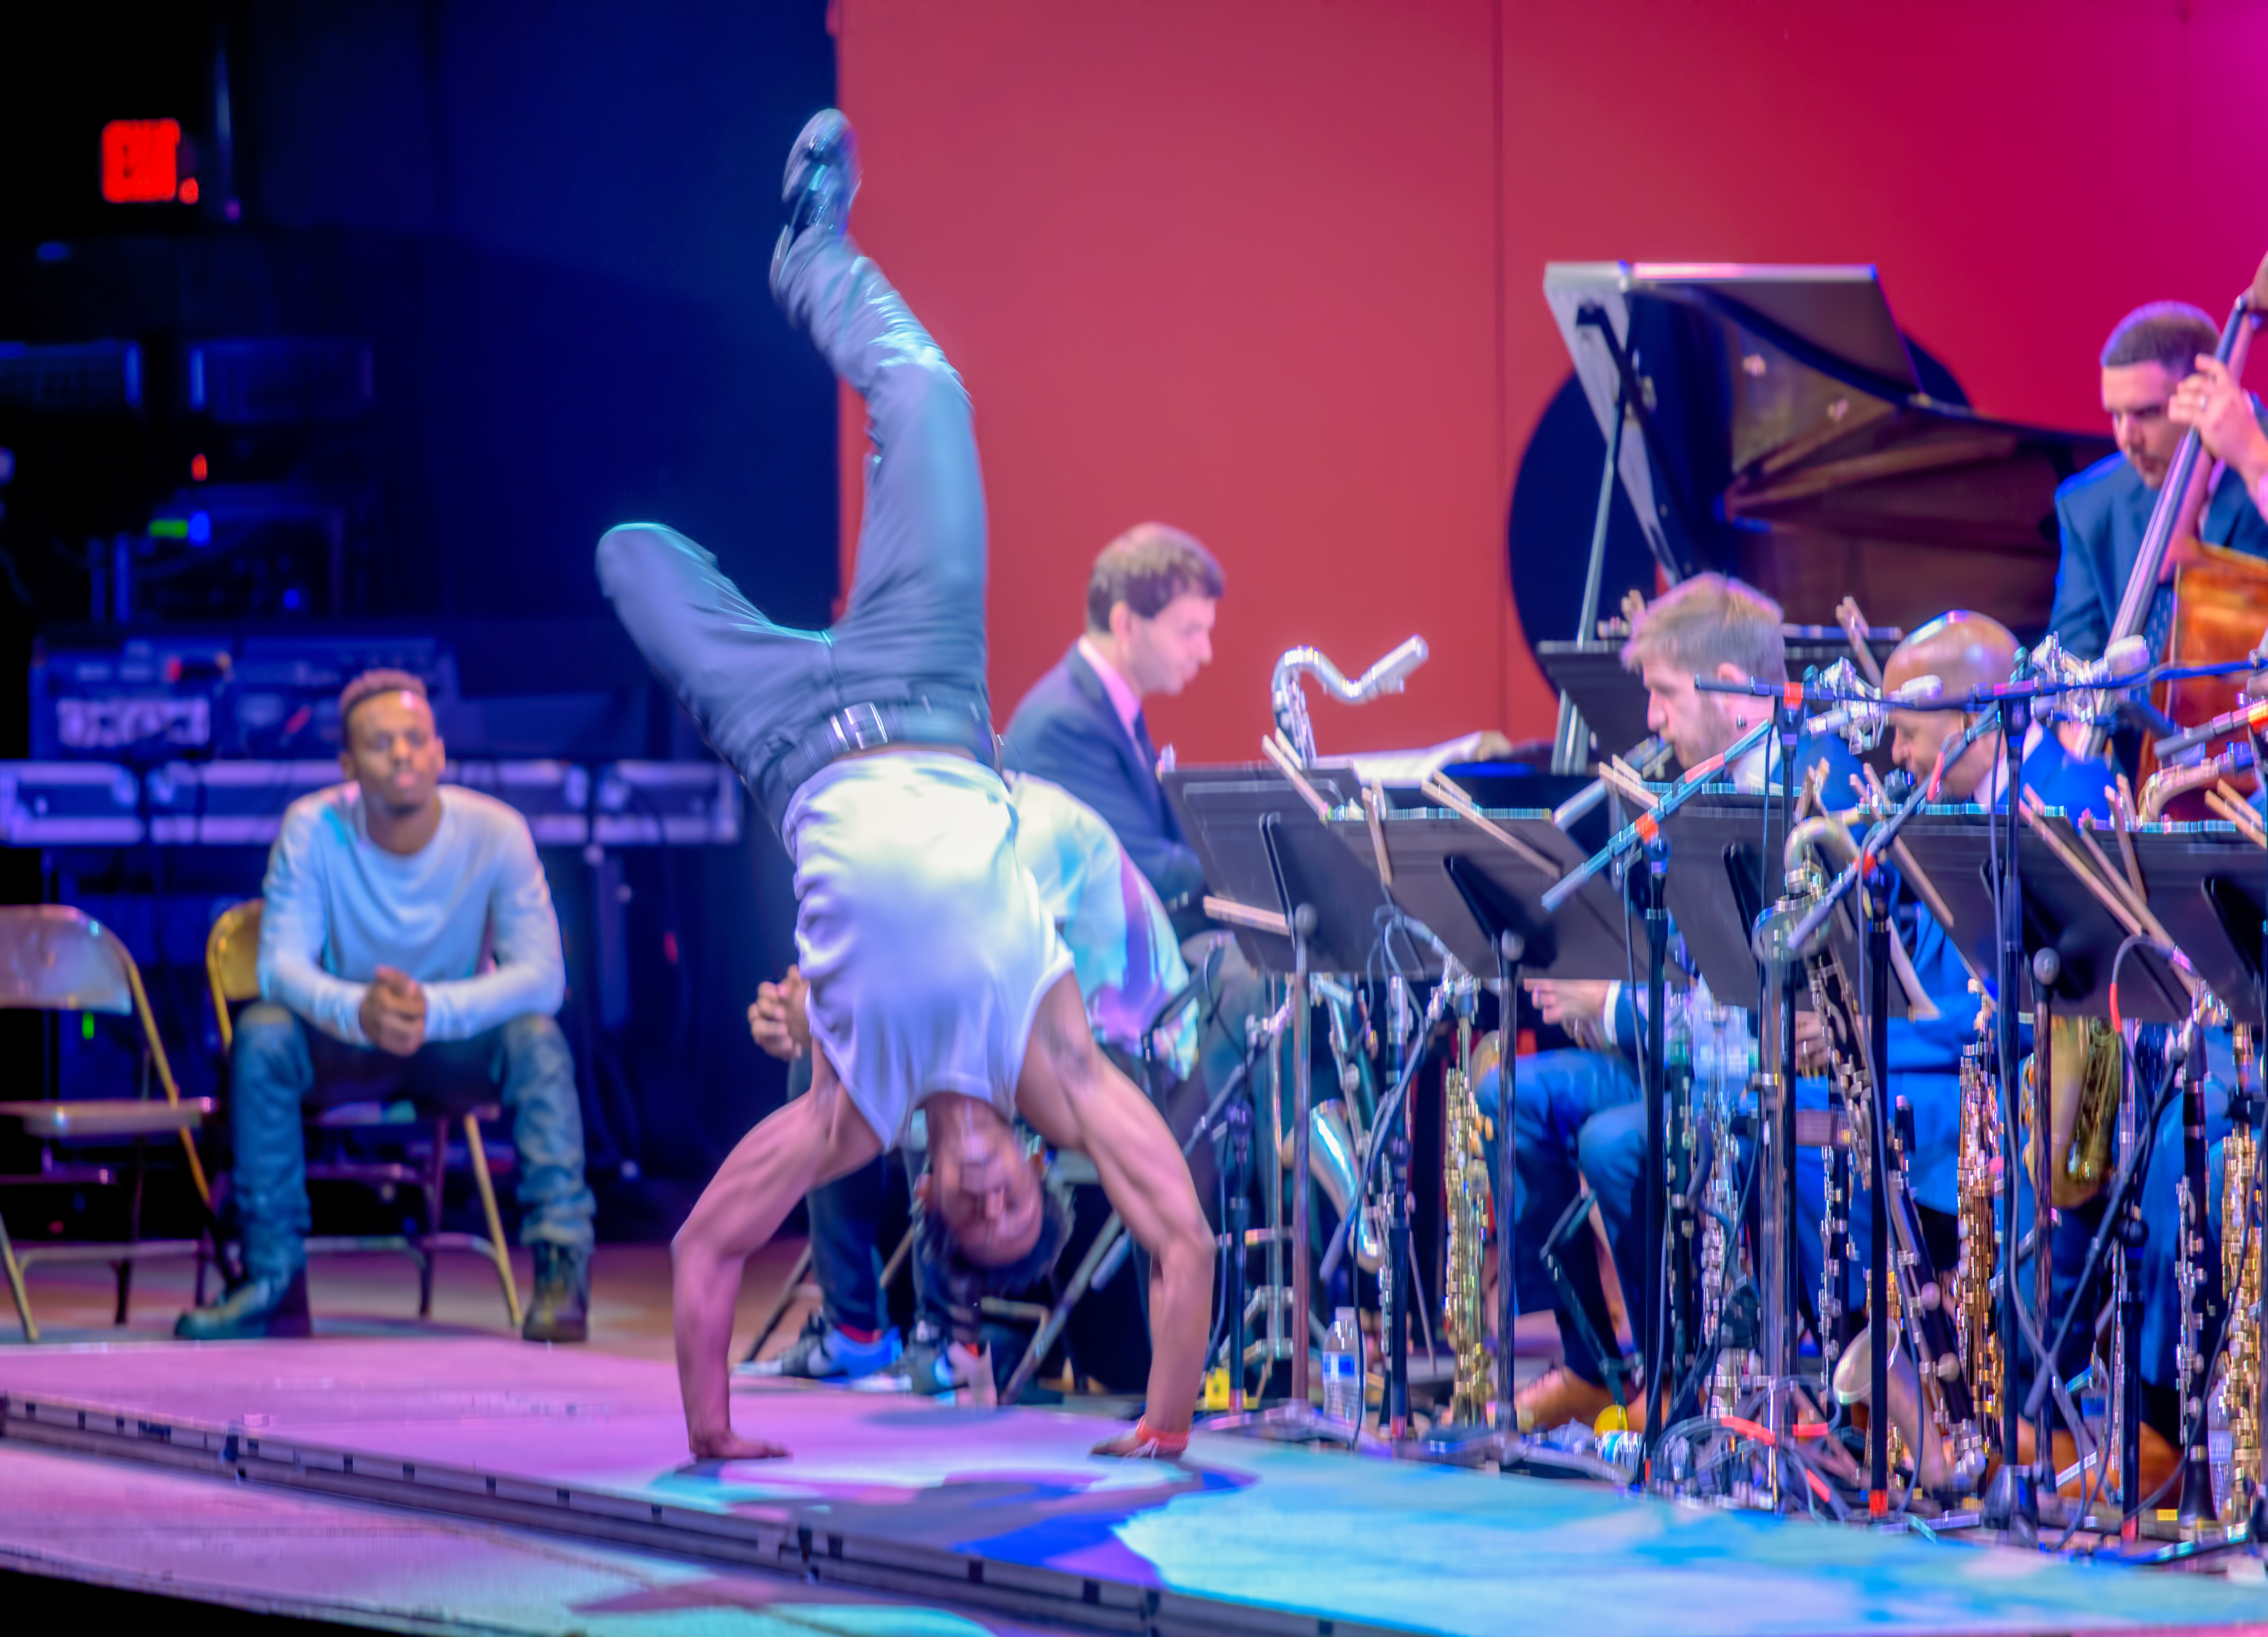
(540, 1451)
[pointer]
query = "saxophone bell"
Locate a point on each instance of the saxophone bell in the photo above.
(1334, 1160)
(1853, 1374)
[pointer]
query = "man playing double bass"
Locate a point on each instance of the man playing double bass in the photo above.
(2104, 511)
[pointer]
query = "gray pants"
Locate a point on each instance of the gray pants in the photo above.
(913, 630)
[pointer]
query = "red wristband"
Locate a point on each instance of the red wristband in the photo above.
(1161, 1443)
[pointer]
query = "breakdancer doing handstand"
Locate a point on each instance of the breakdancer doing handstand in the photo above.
(935, 979)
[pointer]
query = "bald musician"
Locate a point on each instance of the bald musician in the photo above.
(1968, 651)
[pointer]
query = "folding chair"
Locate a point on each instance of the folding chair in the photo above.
(54, 959)
(233, 970)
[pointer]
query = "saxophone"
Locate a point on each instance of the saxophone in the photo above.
(1464, 1313)
(2086, 1077)
(1979, 1161)
(2240, 1273)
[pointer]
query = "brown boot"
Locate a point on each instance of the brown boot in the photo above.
(1560, 1395)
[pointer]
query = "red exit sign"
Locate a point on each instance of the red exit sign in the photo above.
(141, 162)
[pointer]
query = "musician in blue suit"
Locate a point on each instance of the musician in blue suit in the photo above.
(1149, 608)
(1968, 651)
(2104, 512)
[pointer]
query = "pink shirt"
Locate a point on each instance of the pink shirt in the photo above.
(1123, 699)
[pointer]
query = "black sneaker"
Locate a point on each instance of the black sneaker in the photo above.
(560, 1310)
(821, 180)
(257, 1308)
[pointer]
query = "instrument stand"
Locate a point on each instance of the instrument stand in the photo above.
(1483, 899)
(1320, 914)
(2256, 1115)
(1299, 1418)
(2200, 1280)
(1652, 1322)
(2011, 1504)
(1778, 1271)
(2047, 968)
(1505, 1183)
(1237, 1118)
(1393, 1274)
(2132, 1232)
(1882, 1335)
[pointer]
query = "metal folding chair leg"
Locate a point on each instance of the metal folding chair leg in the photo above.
(780, 1304)
(1059, 1316)
(898, 1260)
(16, 1285)
(482, 1180)
(437, 1178)
(125, 1266)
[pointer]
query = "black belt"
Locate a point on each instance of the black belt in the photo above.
(870, 726)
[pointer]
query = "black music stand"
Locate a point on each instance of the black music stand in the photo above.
(1227, 813)
(1484, 900)
(2204, 885)
(2070, 940)
(2204, 888)
(2060, 913)
(1716, 908)
(1264, 848)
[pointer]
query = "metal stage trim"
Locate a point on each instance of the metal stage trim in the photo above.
(1006, 1512)
(823, 1556)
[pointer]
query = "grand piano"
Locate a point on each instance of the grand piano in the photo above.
(1775, 428)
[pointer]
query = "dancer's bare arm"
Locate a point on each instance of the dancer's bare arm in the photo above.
(1076, 1099)
(815, 1139)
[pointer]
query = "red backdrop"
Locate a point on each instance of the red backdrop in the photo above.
(1271, 269)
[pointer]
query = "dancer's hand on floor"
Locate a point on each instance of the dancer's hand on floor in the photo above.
(730, 1446)
(1142, 1442)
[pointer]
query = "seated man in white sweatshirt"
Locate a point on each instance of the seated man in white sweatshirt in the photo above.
(408, 948)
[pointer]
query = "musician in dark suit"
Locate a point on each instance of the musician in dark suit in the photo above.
(2104, 511)
(1149, 608)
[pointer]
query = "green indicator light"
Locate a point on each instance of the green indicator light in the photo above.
(86, 1026)
(169, 529)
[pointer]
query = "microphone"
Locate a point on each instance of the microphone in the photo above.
(1865, 715)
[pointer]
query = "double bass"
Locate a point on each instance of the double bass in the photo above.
(2219, 597)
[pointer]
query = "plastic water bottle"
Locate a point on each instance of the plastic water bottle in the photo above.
(1342, 1385)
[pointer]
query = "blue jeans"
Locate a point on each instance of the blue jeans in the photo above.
(911, 638)
(279, 1062)
(1577, 1118)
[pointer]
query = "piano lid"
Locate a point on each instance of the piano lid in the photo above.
(1781, 433)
